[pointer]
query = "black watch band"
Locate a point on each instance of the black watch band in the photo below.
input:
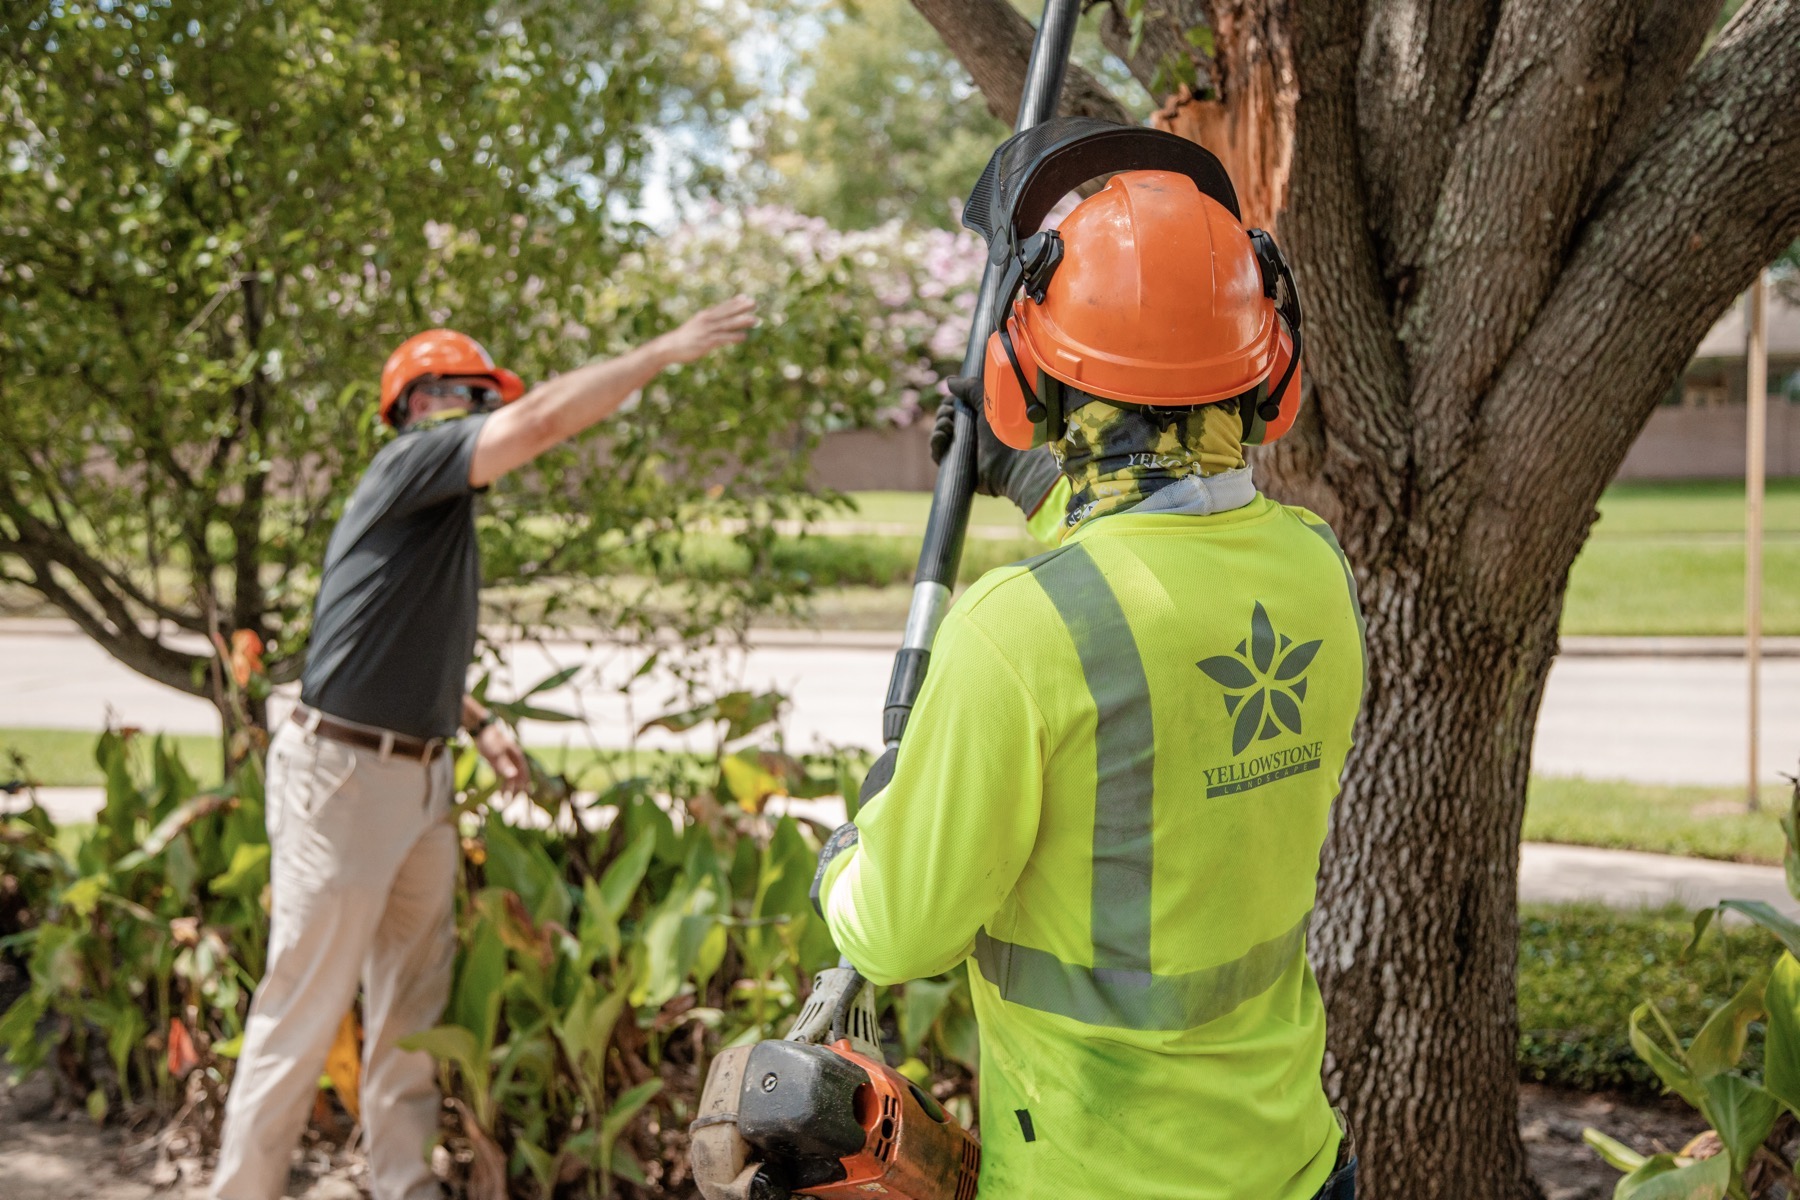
(480, 727)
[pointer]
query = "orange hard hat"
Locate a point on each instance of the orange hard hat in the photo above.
(1153, 294)
(441, 352)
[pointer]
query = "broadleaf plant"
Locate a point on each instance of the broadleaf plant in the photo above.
(1753, 1115)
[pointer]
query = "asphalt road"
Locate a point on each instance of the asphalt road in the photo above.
(1652, 719)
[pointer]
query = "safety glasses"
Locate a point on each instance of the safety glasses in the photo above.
(472, 396)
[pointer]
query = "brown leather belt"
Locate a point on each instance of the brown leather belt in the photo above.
(387, 743)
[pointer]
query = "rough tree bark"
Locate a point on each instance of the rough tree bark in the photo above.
(1513, 222)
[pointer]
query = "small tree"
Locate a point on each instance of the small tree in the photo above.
(1513, 223)
(216, 221)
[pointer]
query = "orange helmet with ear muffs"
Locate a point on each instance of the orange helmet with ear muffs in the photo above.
(1151, 293)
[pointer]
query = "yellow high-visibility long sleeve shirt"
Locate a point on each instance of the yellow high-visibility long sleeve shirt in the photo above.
(1110, 800)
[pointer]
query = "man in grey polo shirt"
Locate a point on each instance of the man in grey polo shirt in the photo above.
(359, 788)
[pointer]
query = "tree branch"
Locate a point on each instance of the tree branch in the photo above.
(1713, 198)
(1418, 67)
(1359, 450)
(1511, 200)
(112, 627)
(993, 42)
(1669, 36)
(1164, 41)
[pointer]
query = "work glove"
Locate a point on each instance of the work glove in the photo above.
(1023, 476)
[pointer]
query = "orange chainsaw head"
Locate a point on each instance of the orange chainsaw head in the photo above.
(1159, 297)
(440, 353)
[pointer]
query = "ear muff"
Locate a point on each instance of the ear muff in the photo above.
(1007, 395)
(1260, 428)
(1270, 411)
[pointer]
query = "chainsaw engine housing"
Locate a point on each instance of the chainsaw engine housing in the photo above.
(827, 1121)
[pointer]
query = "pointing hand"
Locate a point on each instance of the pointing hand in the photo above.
(721, 325)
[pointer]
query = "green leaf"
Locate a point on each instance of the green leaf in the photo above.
(1719, 1045)
(586, 1028)
(247, 874)
(620, 1115)
(680, 722)
(1617, 1154)
(1668, 1066)
(1663, 1178)
(620, 883)
(551, 682)
(83, 896)
(1741, 1113)
(1781, 1045)
(518, 711)
(746, 712)
(1702, 922)
(481, 976)
(1769, 918)
(518, 862)
(452, 1044)
(921, 1005)
(18, 1031)
(750, 783)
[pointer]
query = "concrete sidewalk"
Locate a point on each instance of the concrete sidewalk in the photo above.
(1675, 719)
(1548, 874)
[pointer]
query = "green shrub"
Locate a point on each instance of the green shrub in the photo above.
(601, 962)
(1581, 970)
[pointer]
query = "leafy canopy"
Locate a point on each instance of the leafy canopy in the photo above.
(217, 220)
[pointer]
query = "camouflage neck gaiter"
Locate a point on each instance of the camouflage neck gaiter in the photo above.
(1115, 456)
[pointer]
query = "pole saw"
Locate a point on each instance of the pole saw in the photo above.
(820, 1113)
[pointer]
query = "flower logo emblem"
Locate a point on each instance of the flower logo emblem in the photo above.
(1264, 682)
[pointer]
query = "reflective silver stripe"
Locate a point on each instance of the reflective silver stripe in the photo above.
(1039, 980)
(1124, 756)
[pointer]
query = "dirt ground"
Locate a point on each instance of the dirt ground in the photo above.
(46, 1155)
(46, 1159)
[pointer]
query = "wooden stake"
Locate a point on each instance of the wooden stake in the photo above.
(1756, 396)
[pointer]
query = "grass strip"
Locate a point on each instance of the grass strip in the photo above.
(1700, 822)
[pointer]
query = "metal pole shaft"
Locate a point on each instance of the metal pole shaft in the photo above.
(1756, 396)
(940, 555)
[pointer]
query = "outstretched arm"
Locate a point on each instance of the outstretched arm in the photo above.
(556, 411)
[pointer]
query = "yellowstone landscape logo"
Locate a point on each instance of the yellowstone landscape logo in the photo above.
(1264, 684)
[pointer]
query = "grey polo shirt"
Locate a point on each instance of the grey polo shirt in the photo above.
(394, 625)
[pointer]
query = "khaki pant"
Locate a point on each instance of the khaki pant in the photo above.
(364, 868)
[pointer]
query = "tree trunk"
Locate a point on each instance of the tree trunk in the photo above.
(1512, 224)
(1415, 937)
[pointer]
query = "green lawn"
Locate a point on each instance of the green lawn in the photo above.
(911, 508)
(65, 757)
(1695, 506)
(1663, 559)
(1698, 821)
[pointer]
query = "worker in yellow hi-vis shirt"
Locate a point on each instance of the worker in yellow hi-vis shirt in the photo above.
(1114, 787)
